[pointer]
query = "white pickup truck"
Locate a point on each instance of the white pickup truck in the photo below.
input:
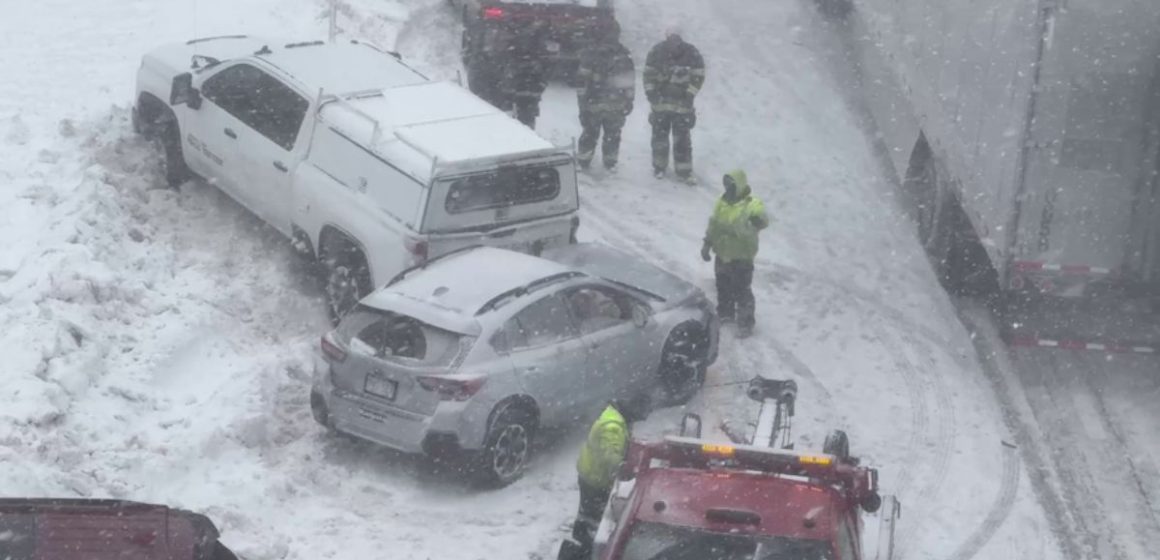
(365, 164)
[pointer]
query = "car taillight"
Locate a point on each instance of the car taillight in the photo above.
(493, 13)
(450, 389)
(575, 228)
(417, 248)
(332, 350)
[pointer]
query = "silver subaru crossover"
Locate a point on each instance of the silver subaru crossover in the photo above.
(474, 352)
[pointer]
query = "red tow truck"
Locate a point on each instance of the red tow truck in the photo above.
(686, 498)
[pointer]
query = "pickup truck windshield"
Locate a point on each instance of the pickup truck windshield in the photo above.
(652, 541)
(509, 186)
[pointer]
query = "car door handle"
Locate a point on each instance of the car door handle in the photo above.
(279, 166)
(531, 369)
(230, 132)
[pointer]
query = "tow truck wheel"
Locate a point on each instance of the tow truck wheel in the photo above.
(837, 444)
(509, 443)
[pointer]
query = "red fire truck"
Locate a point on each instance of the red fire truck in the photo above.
(686, 498)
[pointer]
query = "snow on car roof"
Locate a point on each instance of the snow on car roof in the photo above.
(340, 67)
(430, 121)
(464, 282)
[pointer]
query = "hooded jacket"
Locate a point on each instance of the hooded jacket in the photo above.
(732, 233)
(604, 449)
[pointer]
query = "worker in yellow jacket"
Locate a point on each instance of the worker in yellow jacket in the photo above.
(601, 456)
(732, 235)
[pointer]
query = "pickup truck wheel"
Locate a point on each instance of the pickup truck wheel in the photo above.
(509, 444)
(347, 281)
(682, 369)
(167, 143)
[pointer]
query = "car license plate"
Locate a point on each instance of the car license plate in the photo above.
(378, 385)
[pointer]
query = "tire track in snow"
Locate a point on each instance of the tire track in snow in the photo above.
(1004, 503)
(935, 432)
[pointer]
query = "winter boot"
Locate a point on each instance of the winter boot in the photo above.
(744, 331)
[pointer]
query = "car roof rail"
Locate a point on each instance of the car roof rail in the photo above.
(214, 38)
(305, 44)
(498, 301)
(403, 274)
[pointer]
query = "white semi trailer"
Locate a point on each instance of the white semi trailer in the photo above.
(1026, 131)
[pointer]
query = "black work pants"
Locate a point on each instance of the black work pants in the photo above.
(593, 500)
(680, 126)
(527, 108)
(592, 123)
(735, 291)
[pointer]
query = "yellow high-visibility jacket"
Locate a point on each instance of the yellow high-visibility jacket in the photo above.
(604, 450)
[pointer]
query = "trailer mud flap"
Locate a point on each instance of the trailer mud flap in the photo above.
(881, 541)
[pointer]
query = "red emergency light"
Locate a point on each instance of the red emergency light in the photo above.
(493, 13)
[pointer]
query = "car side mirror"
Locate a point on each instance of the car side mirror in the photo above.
(182, 92)
(640, 315)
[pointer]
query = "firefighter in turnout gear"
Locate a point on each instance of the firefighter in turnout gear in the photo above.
(673, 75)
(525, 70)
(732, 235)
(600, 458)
(607, 79)
(483, 59)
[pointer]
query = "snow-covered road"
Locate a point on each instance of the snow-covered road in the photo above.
(158, 340)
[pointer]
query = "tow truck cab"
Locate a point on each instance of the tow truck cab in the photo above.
(685, 498)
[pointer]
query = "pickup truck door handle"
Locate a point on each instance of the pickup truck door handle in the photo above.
(279, 166)
(229, 132)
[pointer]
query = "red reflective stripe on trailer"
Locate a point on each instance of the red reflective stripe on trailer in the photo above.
(1067, 344)
(1032, 266)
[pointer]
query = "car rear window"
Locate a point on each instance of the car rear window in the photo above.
(509, 186)
(395, 337)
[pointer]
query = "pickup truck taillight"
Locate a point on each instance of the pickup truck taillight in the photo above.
(332, 350)
(575, 228)
(417, 248)
(450, 389)
(493, 13)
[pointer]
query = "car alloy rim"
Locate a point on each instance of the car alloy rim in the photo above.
(341, 288)
(510, 451)
(678, 371)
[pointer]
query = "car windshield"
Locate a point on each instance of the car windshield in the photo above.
(399, 338)
(653, 541)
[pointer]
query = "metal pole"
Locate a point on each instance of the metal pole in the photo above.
(333, 20)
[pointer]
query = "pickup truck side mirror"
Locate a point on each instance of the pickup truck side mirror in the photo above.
(183, 92)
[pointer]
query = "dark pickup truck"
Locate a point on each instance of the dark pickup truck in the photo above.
(571, 25)
(82, 529)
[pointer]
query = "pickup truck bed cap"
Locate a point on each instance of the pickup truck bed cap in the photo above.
(435, 122)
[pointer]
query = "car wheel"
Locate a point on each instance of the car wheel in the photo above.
(682, 370)
(509, 444)
(167, 144)
(320, 411)
(347, 281)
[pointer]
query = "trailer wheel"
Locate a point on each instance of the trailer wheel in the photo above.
(838, 445)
